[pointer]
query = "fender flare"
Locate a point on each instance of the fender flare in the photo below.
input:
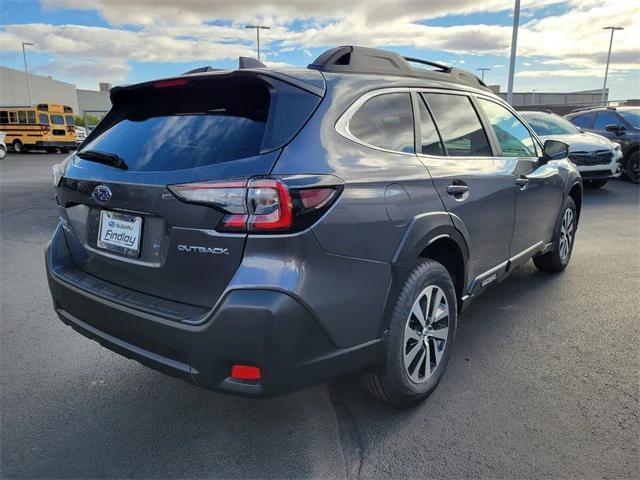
(427, 228)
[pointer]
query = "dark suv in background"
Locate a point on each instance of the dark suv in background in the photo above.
(620, 125)
(256, 231)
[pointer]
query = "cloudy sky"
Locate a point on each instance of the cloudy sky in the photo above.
(561, 46)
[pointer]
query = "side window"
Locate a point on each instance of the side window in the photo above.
(31, 116)
(514, 138)
(583, 121)
(429, 139)
(605, 118)
(44, 118)
(4, 117)
(22, 116)
(385, 121)
(13, 117)
(459, 125)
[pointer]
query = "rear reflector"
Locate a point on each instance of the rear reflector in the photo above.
(245, 372)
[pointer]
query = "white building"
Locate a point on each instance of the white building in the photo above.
(13, 91)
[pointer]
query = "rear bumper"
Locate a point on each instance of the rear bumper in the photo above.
(261, 327)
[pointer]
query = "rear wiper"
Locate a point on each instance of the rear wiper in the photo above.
(103, 157)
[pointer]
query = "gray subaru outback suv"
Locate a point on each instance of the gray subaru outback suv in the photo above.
(259, 230)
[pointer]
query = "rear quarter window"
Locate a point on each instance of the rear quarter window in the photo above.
(385, 121)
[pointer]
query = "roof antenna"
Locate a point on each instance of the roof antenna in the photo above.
(247, 62)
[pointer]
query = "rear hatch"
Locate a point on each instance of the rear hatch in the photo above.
(123, 224)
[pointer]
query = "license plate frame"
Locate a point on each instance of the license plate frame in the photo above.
(120, 233)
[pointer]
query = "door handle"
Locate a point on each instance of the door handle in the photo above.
(457, 189)
(522, 182)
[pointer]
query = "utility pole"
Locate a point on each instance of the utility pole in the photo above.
(258, 28)
(606, 72)
(26, 70)
(514, 43)
(483, 70)
(533, 93)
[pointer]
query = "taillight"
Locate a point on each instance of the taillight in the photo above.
(178, 82)
(259, 204)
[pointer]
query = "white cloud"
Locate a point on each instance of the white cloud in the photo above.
(179, 31)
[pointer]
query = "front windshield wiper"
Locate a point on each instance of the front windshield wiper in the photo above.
(103, 157)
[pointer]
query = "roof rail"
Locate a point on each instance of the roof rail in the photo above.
(363, 60)
(248, 62)
(593, 107)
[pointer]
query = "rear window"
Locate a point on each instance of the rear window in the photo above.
(204, 123)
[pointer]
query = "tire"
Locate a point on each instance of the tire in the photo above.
(18, 147)
(593, 184)
(632, 167)
(557, 259)
(408, 343)
(3, 152)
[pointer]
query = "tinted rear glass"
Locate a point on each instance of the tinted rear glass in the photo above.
(385, 121)
(180, 128)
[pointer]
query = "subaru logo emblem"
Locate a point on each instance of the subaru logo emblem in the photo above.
(101, 194)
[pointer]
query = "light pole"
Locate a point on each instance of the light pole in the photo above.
(258, 28)
(483, 70)
(533, 93)
(606, 72)
(26, 70)
(514, 43)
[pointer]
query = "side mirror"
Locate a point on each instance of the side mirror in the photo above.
(617, 129)
(554, 150)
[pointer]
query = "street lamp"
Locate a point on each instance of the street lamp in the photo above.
(514, 42)
(483, 70)
(258, 28)
(606, 72)
(26, 71)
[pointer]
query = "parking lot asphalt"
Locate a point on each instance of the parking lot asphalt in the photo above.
(543, 381)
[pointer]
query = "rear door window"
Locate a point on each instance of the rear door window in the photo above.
(583, 121)
(605, 118)
(385, 121)
(430, 141)
(459, 125)
(514, 138)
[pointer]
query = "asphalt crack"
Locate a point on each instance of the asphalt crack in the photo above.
(351, 441)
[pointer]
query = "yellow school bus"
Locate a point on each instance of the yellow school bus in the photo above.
(46, 126)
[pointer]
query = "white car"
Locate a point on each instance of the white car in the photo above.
(597, 157)
(81, 134)
(3, 146)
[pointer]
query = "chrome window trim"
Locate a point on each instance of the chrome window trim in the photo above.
(342, 124)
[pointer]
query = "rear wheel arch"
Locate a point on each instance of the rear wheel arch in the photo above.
(431, 236)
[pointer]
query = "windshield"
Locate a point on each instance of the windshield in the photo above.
(631, 116)
(549, 124)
